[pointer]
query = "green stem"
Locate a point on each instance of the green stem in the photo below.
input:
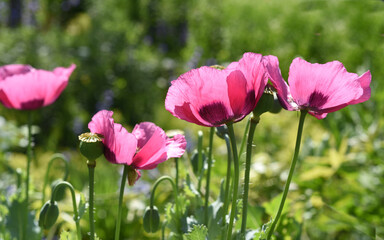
(53, 158)
(29, 158)
(122, 186)
(235, 180)
(291, 170)
(254, 122)
(76, 217)
(175, 193)
(91, 170)
(227, 183)
(200, 162)
(208, 176)
(244, 136)
(177, 173)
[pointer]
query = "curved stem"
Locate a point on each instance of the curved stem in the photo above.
(57, 156)
(227, 182)
(235, 180)
(152, 198)
(75, 212)
(91, 170)
(212, 131)
(29, 158)
(122, 186)
(291, 170)
(254, 121)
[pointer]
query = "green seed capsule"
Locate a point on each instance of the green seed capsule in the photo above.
(91, 145)
(151, 220)
(48, 215)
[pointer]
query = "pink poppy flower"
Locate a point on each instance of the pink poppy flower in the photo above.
(318, 88)
(25, 88)
(144, 148)
(211, 97)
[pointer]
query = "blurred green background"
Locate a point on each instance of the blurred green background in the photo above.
(127, 52)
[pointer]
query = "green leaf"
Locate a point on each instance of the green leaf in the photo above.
(272, 206)
(261, 234)
(15, 219)
(199, 232)
(83, 205)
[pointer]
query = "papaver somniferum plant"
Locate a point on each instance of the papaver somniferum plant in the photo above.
(317, 89)
(143, 149)
(212, 97)
(23, 87)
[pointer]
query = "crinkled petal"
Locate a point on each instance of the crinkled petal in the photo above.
(323, 86)
(120, 146)
(125, 145)
(283, 93)
(252, 66)
(153, 152)
(176, 146)
(14, 69)
(144, 131)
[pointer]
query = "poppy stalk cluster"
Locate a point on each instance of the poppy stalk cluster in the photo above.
(23, 87)
(210, 97)
(143, 149)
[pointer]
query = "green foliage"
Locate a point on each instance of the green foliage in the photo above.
(126, 54)
(199, 232)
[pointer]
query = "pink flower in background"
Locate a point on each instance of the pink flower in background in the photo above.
(25, 88)
(318, 88)
(144, 148)
(211, 97)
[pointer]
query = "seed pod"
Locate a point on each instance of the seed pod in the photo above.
(151, 220)
(91, 146)
(48, 215)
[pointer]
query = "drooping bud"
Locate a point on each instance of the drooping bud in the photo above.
(48, 215)
(60, 192)
(151, 220)
(267, 103)
(221, 131)
(195, 162)
(91, 145)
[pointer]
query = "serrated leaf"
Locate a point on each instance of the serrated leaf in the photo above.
(199, 232)
(261, 234)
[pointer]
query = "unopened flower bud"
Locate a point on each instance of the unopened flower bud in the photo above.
(151, 220)
(221, 131)
(195, 162)
(267, 103)
(48, 215)
(60, 192)
(91, 145)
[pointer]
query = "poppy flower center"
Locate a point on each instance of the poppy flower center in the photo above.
(316, 100)
(214, 113)
(33, 104)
